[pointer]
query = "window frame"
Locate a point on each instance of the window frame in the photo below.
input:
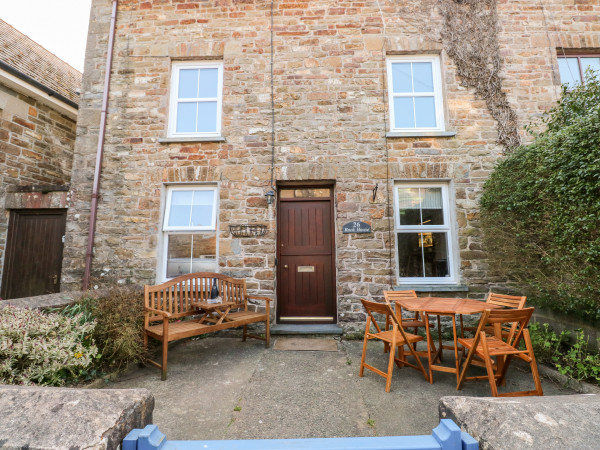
(447, 228)
(579, 66)
(174, 99)
(437, 91)
(166, 231)
(213, 222)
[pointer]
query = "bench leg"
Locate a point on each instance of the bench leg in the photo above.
(245, 333)
(165, 348)
(267, 333)
(165, 351)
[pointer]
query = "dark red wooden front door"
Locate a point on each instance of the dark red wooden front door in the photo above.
(34, 251)
(306, 276)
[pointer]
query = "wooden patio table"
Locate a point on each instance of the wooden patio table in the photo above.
(214, 312)
(439, 306)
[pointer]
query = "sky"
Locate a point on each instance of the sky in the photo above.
(58, 25)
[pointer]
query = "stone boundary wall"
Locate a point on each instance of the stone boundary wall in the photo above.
(43, 418)
(553, 422)
(46, 301)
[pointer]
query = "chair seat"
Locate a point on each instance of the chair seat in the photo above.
(388, 336)
(495, 346)
(175, 328)
(246, 315)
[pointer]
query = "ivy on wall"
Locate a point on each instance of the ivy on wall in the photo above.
(470, 37)
(468, 31)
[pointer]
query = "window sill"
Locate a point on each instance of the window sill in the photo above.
(173, 140)
(401, 134)
(432, 287)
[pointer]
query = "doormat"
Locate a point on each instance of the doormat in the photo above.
(305, 344)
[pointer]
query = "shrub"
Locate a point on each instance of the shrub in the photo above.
(119, 317)
(43, 349)
(573, 360)
(541, 208)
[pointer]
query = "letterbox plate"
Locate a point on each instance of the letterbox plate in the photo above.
(306, 268)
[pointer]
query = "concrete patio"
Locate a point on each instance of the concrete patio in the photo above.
(222, 388)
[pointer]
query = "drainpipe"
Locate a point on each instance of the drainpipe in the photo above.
(100, 151)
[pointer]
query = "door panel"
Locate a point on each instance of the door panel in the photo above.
(306, 287)
(308, 293)
(305, 228)
(34, 249)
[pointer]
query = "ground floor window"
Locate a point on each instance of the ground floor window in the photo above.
(189, 230)
(423, 233)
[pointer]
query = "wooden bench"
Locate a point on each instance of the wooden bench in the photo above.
(169, 308)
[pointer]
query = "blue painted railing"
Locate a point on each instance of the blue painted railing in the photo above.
(446, 436)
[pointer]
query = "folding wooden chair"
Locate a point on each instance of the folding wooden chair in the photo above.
(415, 322)
(394, 338)
(486, 347)
(391, 297)
(507, 301)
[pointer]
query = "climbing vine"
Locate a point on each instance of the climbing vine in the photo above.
(468, 31)
(470, 37)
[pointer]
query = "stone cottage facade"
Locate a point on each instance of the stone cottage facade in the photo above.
(354, 114)
(38, 113)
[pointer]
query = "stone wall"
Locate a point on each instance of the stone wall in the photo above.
(330, 124)
(36, 148)
(43, 417)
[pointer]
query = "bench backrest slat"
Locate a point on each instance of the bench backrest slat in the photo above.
(176, 296)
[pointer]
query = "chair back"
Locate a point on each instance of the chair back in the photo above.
(376, 308)
(508, 301)
(392, 296)
(517, 319)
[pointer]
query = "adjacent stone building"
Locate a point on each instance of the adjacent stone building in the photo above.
(38, 113)
(374, 123)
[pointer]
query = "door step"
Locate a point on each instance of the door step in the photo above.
(326, 328)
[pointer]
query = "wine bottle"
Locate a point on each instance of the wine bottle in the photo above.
(214, 292)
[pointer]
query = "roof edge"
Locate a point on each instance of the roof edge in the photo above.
(37, 84)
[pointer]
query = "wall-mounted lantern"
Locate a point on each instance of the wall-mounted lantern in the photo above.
(270, 196)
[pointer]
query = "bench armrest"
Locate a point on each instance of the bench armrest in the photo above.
(258, 297)
(158, 311)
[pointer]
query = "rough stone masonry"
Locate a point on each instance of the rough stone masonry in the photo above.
(330, 101)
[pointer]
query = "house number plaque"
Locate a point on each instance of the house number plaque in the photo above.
(306, 268)
(356, 227)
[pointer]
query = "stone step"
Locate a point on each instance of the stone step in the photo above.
(312, 329)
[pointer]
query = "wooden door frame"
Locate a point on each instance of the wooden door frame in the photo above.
(299, 185)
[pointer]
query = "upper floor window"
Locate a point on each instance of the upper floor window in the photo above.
(190, 231)
(573, 68)
(424, 236)
(196, 97)
(415, 93)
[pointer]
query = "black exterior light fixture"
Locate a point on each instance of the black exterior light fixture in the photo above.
(270, 196)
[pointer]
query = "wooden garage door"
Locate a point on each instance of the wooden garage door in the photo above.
(34, 251)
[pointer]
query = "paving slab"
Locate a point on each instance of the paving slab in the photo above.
(222, 388)
(205, 381)
(301, 394)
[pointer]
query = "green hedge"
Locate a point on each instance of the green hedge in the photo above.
(541, 208)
